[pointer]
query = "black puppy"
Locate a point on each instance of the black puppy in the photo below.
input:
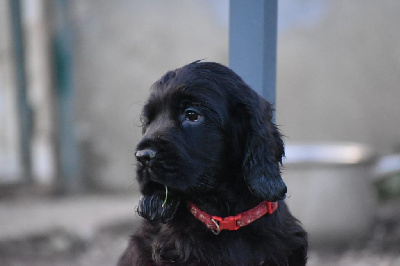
(209, 172)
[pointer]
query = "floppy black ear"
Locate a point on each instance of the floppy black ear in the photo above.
(263, 153)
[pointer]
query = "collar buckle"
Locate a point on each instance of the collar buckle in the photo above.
(227, 223)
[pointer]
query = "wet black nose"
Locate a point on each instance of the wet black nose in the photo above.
(145, 156)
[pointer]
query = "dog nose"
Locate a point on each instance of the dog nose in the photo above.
(145, 156)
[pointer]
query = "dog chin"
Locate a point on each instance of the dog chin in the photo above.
(158, 209)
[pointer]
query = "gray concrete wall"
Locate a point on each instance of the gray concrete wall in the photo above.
(337, 73)
(338, 79)
(122, 47)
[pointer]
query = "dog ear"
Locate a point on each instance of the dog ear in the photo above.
(263, 153)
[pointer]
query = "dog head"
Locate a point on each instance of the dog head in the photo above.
(205, 133)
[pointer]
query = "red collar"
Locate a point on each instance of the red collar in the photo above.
(217, 224)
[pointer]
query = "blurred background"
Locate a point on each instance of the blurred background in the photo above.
(75, 74)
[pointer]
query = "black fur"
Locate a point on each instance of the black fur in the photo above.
(209, 138)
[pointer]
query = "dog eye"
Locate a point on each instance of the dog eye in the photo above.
(192, 115)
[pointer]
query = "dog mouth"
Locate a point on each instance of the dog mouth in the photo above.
(162, 186)
(159, 203)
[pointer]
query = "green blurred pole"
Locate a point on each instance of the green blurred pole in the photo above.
(25, 112)
(70, 179)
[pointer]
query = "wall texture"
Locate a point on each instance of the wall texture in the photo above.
(122, 47)
(338, 79)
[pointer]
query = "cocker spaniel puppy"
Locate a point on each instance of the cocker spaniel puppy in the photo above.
(209, 171)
